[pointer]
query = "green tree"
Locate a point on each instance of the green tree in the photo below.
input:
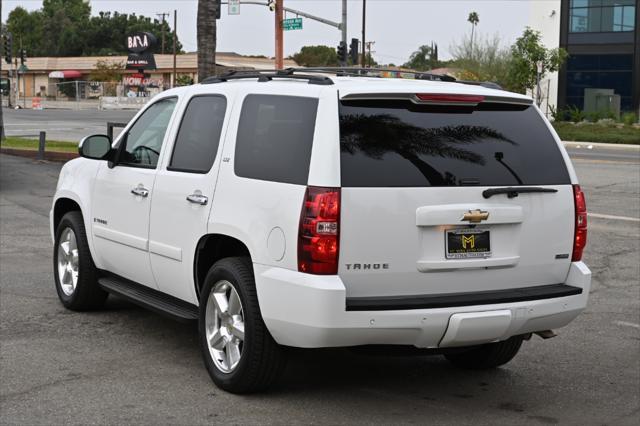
(107, 33)
(26, 28)
(107, 71)
(526, 53)
(65, 28)
(316, 56)
(425, 58)
(473, 19)
(490, 61)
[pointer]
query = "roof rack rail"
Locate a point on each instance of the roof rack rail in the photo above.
(375, 72)
(308, 74)
(268, 75)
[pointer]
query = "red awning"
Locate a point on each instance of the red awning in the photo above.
(65, 74)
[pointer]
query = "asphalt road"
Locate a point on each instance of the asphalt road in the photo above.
(62, 124)
(127, 365)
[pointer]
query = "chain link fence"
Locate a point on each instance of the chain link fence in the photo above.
(83, 90)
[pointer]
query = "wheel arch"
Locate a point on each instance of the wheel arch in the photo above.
(62, 206)
(210, 249)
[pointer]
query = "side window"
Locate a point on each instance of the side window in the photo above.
(275, 135)
(144, 139)
(199, 135)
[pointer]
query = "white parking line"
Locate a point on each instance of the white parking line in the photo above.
(612, 217)
(627, 324)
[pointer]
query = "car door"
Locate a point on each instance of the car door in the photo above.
(183, 194)
(122, 196)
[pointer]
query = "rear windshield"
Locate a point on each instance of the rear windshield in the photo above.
(400, 144)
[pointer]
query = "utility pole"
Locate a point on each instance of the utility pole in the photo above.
(343, 27)
(175, 36)
(364, 19)
(279, 35)
(162, 15)
(369, 43)
(16, 81)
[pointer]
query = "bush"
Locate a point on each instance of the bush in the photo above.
(575, 114)
(557, 114)
(629, 118)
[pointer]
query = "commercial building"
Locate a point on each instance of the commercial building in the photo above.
(602, 38)
(47, 77)
(603, 42)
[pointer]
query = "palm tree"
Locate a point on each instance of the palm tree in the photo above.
(207, 10)
(473, 19)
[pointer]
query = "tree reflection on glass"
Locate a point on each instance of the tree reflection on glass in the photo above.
(378, 134)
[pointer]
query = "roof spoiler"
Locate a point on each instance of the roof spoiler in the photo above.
(451, 99)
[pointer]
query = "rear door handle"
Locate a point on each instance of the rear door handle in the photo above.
(198, 199)
(140, 191)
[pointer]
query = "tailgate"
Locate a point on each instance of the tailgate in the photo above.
(416, 219)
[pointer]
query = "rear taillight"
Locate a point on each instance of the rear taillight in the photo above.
(319, 232)
(580, 238)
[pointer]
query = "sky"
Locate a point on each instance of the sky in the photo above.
(398, 27)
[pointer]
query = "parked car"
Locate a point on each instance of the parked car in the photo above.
(311, 210)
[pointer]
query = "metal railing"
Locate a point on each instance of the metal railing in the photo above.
(111, 125)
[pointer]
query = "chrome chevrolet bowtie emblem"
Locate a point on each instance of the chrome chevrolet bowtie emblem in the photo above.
(475, 216)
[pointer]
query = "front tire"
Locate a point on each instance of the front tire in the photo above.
(238, 350)
(74, 272)
(490, 355)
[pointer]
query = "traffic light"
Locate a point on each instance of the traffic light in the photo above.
(342, 52)
(218, 8)
(23, 56)
(353, 50)
(7, 41)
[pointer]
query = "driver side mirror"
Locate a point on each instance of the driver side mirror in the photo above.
(96, 147)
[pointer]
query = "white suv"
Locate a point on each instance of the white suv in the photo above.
(316, 210)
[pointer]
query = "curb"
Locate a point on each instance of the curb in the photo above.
(620, 146)
(50, 155)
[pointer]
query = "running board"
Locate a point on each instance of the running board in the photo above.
(148, 298)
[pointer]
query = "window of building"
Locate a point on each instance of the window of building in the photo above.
(597, 16)
(600, 72)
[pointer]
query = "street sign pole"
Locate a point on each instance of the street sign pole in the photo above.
(279, 36)
(343, 28)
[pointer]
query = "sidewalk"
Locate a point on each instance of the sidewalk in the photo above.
(591, 145)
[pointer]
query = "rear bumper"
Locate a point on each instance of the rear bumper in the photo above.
(310, 311)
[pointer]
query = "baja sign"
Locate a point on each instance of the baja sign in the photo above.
(140, 42)
(140, 56)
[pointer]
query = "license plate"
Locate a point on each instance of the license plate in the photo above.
(467, 243)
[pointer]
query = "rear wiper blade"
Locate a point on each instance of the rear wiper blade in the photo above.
(513, 191)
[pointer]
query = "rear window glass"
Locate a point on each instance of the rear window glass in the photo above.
(275, 135)
(400, 144)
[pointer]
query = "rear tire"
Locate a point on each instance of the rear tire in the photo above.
(74, 272)
(487, 356)
(238, 350)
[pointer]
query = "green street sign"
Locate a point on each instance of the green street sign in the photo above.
(292, 24)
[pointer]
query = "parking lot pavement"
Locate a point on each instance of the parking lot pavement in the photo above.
(127, 365)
